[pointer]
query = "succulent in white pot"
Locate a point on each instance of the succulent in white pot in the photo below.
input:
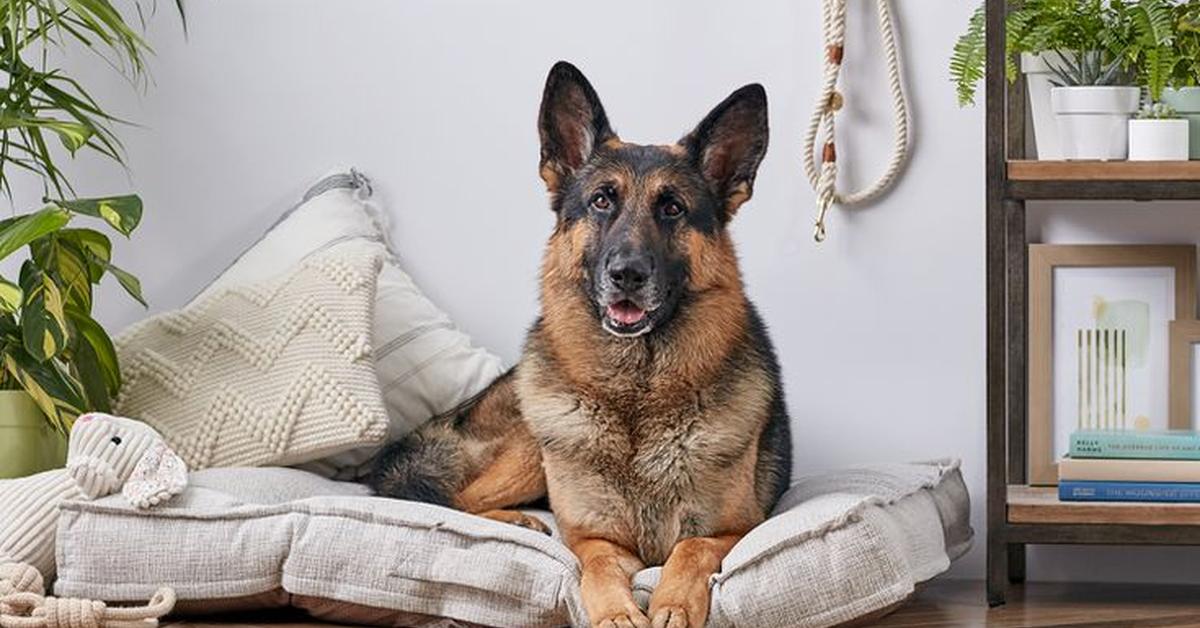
(1164, 48)
(1157, 133)
(1091, 109)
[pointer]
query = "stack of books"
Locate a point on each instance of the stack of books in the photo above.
(1127, 465)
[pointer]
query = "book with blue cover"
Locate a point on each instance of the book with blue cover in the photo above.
(1133, 444)
(1086, 491)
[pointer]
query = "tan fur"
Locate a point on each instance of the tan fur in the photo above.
(658, 445)
(642, 461)
(681, 598)
(604, 585)
(513, 476)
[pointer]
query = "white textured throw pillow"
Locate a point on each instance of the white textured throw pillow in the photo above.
(271, 372)
(426, 365)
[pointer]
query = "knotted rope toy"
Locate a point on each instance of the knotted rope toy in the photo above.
(824, 178)
(24, 604)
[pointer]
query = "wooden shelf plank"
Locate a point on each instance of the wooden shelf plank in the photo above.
(1029, 170)
(1107, 190)
(1040, 504)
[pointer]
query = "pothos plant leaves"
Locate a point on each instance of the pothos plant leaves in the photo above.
(53, 389)
(89, 333)
(68, 266)
(50, 345)
(19, 231)
(43, 320)
(10, 296)
(123, 213)
(93, 361)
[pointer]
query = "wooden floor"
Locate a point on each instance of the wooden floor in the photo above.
(959, 604)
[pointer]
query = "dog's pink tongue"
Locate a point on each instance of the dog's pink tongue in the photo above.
(625, 312)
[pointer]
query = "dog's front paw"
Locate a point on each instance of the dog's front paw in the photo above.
(671, 609)
(674, 617)
(627, 618)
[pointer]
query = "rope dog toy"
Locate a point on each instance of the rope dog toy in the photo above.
(24, 604)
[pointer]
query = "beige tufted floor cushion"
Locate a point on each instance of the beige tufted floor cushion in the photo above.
(841, 546)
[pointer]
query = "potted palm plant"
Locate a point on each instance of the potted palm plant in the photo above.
(1182, 92)
(1040, 34)
(56, 361)
(1148, 29)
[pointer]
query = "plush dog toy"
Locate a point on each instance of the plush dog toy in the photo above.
(105, 454)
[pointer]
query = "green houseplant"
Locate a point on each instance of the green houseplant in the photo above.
(1149, 32)
(1039, 33)
(1183, 86)
(57, 361)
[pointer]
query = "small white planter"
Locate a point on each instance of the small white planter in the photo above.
(1037, 88)
(1158, 140)
(1093, 120)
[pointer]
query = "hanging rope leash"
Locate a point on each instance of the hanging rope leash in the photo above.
(824, 177)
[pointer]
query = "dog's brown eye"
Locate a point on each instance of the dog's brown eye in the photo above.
(600, 201)
(673, 210)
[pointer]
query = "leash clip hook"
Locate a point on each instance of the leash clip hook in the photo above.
(819, 226)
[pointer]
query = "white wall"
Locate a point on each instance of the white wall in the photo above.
(880, 329)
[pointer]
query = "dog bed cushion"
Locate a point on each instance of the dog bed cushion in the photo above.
(426, 366)
(840, 546)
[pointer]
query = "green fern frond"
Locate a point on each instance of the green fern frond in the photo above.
(967, 59)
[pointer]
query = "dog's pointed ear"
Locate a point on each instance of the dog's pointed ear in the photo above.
(729, 144)
(571, 124)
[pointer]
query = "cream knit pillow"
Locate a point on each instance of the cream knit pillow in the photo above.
(426, 364)
(274, 372)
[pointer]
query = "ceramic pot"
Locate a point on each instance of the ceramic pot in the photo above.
(1037, 89)
(1158, 140)
(1186, 100)
(28, 443)
(1093, 120)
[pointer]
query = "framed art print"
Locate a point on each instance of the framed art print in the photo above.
(1185, 358)
(1099, 318)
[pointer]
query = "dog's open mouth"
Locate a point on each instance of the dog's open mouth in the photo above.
(626, 318)
(626, 312)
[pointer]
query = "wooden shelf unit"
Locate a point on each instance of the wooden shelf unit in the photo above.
(1018, 514)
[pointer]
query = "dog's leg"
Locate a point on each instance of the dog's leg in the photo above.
(606, 585)
(681, 598)
(513, 477)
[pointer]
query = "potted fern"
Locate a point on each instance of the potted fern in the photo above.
(1068, 43)
(1182, 92)
(1148, 27)
(1040, 33)
(56, 361)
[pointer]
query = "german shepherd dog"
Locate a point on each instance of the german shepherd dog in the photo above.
(647, 404)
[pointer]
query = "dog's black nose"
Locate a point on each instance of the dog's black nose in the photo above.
(628, 273)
